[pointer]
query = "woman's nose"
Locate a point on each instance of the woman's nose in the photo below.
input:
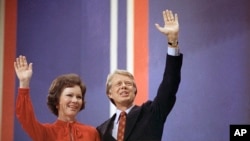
(74, 99)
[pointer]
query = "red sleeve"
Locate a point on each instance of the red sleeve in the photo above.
(25, 115)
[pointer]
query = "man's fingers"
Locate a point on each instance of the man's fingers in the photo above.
(164, 14)
(158, 27)
(30, 66)
(171, 15)
(176, 17)
(168, 13)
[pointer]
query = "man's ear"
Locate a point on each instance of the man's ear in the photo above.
(109, 95)
(135, 91)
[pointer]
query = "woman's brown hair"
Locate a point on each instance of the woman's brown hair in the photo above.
(58, 85)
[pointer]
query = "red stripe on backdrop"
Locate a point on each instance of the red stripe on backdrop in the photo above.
(141, 49)
(8, 71)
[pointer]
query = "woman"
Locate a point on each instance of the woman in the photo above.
(65, 100)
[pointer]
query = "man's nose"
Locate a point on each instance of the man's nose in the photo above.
(124, 85)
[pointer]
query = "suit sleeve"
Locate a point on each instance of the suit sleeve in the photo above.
(166, 94)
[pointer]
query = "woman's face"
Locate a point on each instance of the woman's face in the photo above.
(70, 103)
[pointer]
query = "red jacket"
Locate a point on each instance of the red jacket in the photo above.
(57, 131)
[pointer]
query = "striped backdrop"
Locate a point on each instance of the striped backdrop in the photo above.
(94, 37)
(136, 42)
(133, 56)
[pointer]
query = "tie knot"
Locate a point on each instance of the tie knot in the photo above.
(123, 114)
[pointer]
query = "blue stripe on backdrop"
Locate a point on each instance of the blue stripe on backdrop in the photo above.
(49, 34)
(122, 36)
(95, 59)
(63, 37)
(215, 41)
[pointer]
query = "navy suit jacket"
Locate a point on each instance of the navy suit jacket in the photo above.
(146, 122)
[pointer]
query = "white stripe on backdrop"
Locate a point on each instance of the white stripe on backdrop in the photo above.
(114, 39)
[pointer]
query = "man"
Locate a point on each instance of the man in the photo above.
(145, 122)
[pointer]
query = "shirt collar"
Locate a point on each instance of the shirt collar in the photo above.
(118, 112)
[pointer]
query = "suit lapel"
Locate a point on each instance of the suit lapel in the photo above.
(107, 129)
(131, 120)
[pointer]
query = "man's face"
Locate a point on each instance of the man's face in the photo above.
(122, 90)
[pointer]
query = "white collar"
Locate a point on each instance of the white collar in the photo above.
(118, 112)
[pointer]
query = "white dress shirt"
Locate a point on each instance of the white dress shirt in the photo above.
(173, 51)
(116, 122)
